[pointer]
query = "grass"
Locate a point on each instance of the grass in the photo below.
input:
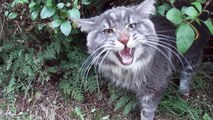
(197, 107)
(47, 103)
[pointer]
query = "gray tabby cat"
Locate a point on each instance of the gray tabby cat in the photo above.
(127, 47)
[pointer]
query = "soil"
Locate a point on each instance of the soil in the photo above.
(47, 103)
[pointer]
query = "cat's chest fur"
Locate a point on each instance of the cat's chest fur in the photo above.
(149, 77)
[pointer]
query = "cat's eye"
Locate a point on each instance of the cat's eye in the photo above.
(108, 31)
(133, 25)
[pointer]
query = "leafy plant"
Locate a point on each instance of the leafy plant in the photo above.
(56, 14)
(79, 113)
(185, 18)
(123, 100)
(206, 117)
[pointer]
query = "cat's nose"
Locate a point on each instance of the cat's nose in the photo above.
(123, 38)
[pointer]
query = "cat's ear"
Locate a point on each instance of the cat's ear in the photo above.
(146, 8)
(86, 25)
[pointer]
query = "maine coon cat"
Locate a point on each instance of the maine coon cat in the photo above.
(128, 48)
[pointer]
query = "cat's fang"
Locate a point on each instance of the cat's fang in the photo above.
(126, 56)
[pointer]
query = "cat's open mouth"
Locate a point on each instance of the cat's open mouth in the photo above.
(126, 56)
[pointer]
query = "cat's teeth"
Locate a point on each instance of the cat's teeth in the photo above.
(127, 60)
(126, 56)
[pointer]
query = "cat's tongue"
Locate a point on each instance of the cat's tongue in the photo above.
(126, 56)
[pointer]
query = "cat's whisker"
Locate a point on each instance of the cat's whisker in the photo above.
(90, 58)
(166, 36)
(159, 37)
(176, 50)
(88, 67)
(164, 54)
(179, 56)
(163, 31)
(167, 48)
(89, 62)
(103, 59)
(167, 57)
(94, 61)
(95, 52)
(169, 38)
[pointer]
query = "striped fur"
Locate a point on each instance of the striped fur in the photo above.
(127, 48)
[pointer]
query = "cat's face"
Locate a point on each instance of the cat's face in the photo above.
(121, 35)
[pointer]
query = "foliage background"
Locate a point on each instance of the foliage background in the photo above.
(40, 44)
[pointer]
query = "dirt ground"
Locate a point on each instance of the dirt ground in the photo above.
(47, 103)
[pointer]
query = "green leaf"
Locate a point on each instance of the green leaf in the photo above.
(24, 1)
(172, 1)
(55, 23)
(66, 28)
(52, 69)
(49, 3)
(9, 63)
(40, 26)
(185, 37)
(65, 87)
(163, 8)
(6, 13)
(79, 113)
(206, 117)
(74, 13)
(34, 15)
(192, 12)
(13, 4)
(86, 2)
(198, 6)
(32, 4)
(38, 1)
(12, 15)
(174, 15)
(12, 83)
(121, 103)
(105, 117)
(60, 5)
(68, 4)
(128, 107)
(183, 10)
(47, 12)
(28, 71)
(208, 23)
(75, 4)
(201, 1)
(21, 1)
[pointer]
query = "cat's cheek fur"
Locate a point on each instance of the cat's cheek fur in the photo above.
(92, 43)
(131, 43)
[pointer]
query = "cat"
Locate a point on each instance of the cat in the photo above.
(130, 49)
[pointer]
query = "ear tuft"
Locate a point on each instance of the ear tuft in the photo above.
(146, 8)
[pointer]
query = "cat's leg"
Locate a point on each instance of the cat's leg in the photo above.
(185, 82)
(187, 73)
(149, 105)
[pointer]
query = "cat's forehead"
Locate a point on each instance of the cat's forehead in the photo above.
(118, 12)
(119, 15)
